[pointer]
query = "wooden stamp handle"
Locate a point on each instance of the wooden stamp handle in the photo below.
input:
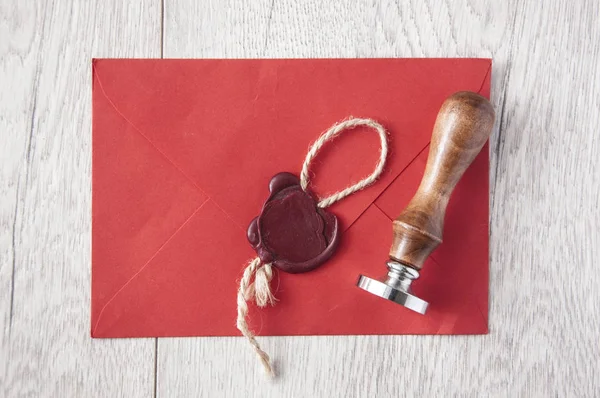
(462, 127)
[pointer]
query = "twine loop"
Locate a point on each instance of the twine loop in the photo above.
(334, 131)
(255, 282)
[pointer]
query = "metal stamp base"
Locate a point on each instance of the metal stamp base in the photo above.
(395, 287)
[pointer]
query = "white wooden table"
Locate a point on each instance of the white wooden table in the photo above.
(544, 336)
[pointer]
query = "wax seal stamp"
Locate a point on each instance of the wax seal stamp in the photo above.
(292, 232)
(462, 127)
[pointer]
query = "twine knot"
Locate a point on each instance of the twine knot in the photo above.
(260, 290)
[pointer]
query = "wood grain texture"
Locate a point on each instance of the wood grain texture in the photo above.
(45, 63)
(463, 125)
(545, 179)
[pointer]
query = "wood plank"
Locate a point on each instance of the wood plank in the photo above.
(45, 61)
(545, 221)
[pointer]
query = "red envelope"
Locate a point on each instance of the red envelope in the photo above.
(183, 151)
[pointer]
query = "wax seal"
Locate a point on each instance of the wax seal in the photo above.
(292, 232)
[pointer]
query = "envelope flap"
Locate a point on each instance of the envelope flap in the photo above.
(230, 125)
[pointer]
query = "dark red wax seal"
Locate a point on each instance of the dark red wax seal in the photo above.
(292, 232)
